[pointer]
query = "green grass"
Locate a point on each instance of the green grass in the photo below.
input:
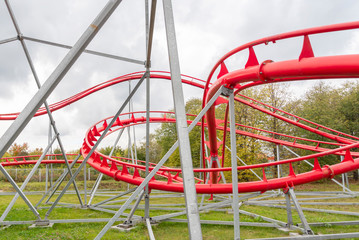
(164, 230)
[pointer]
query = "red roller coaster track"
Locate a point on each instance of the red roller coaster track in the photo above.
(307, 66)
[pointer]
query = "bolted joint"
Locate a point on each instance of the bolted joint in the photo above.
(129, 222)
(148, 64)
(147, 73)
(214, 158)
(20, 37)
(226, 91)
(309, 232)
(45, 222)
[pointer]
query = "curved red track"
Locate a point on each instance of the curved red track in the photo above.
(307, 66)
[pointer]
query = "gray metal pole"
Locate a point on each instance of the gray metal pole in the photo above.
(99, 178)
(19, 124)
(52, 122)
(95, 187)
(46, 177)
(33, 170)
(194, 224)
(59, 180)
(149, 229)
(25, 116)
(147, 147)
(85, 51)
(96, 144)
(8, 40)
(237, 234)
(134, 208)
(16, 187)
(345, 180)
(85, 187)
(289, 210)
(154, 171)
(150, 22)
(306, 226)
(114, 197)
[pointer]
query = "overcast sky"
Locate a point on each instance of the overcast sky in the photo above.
(205, 29)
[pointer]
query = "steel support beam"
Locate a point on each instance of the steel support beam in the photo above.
(304, 221)
(318, 237)
(267, 219)
(149, 229)
(194, 225)
(114, 197)
(30, 109)
(99, 178)
(289, 210)
(34, 73)
(33, 170)
(228, 223)
(101, 54)
(8, 40)
(57, 183)
(150, 22)
(134, 208)
(232, 123)
(62, 178)
(157, 167)
(97, 143)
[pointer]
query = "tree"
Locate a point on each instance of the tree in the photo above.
(57, 151)
(118, 151)
(166, 136)
(336, 108)
(349, 108)
(277, 96)
(321, 105)
(155, 150)
(249, 149)
(19, 149)
(36, 151)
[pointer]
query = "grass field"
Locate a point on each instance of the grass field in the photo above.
(164, 230)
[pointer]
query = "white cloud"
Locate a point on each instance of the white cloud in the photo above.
(206, 30)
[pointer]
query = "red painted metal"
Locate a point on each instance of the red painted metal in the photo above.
(32, 159)
(307, 66)
(131, 173)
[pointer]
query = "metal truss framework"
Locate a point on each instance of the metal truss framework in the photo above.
(143, 174)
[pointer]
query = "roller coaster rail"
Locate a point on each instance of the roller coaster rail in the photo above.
(155, 177)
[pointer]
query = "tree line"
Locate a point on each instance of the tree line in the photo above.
(336, 107)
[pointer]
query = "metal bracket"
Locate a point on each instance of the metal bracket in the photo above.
(45, 223)
(226, 91)
(148, 64)
(126, 226)
(308, 230)
(152, 221)
(20, 37)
